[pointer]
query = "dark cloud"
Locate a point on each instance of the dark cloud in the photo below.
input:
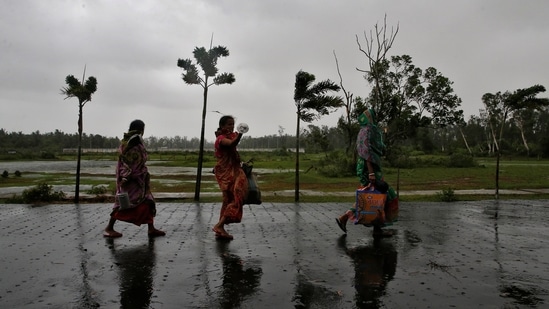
(132, 49)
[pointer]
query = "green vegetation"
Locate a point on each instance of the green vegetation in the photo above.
(447, 195)
(276, 175)
(41, 193)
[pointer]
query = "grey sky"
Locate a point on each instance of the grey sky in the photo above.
(132, 48)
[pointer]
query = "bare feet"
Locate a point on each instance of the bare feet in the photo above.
(219, 230)
(156, 233)
(111, 233)
(221, 233)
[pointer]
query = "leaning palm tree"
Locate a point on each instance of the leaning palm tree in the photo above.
(312, 102)
(207, 60)
(82, 91)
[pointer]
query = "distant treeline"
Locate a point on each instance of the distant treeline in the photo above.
(476, 137)
(47, 145)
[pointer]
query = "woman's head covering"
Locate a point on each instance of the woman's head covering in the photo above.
(137, 125)
(368, 117)
(134, 134)
(369, 141)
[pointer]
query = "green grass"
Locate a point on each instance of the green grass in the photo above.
(514, 174)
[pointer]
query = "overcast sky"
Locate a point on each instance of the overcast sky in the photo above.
(132, 48)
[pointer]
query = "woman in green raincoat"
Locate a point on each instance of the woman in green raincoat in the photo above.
(370, 148)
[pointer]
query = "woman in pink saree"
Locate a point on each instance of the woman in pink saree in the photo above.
(229, 175)
(132, 177)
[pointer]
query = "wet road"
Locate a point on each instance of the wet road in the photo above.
(459, 255)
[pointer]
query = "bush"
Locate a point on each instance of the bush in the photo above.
(98, 190)
(447, 195)
(461, 160)
(42, 193)
(337, 164)
(403, 162)
(17, 173)
(281, 152)
(5, 174)
(47, 155)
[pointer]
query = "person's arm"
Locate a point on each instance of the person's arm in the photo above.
(231, 142)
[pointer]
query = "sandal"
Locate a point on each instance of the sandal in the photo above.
(341, 226)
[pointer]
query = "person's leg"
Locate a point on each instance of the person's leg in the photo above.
(342, 221)
(219, 227)
(344, 217)
(109, 230)
(152, 231)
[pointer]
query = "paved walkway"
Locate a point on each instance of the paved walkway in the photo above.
(489, 254)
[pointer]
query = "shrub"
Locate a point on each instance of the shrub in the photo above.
(98, 190)
(447, 195)
(42, 193)
(281, 152)
(337, 164)
(461, 160)
(5, 174)
(403, 162)
(47, 155)
(17, 173)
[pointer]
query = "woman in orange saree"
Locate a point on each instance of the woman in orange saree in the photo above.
(229, 175)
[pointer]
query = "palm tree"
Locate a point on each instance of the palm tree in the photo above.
(82, 91)
(312, 102)
(207, 60)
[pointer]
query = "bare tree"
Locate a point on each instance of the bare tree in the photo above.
(378, 45)
(348, 104)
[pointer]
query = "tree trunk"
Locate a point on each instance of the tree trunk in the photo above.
(465, 141)
(201, 149)
(296, 193)
(496, 145)
(77, 187)
(498, 155)
(524, 142)
(498, 152)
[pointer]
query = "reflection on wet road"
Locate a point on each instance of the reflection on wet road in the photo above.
(136, 268)
(240, 279)
(374, 266)
(486, 254)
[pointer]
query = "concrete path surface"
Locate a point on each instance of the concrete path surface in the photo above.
(489, 254)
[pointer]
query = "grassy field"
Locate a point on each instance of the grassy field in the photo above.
(514, 174)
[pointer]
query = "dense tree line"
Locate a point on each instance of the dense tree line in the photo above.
(526, 136)
(50, 143)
